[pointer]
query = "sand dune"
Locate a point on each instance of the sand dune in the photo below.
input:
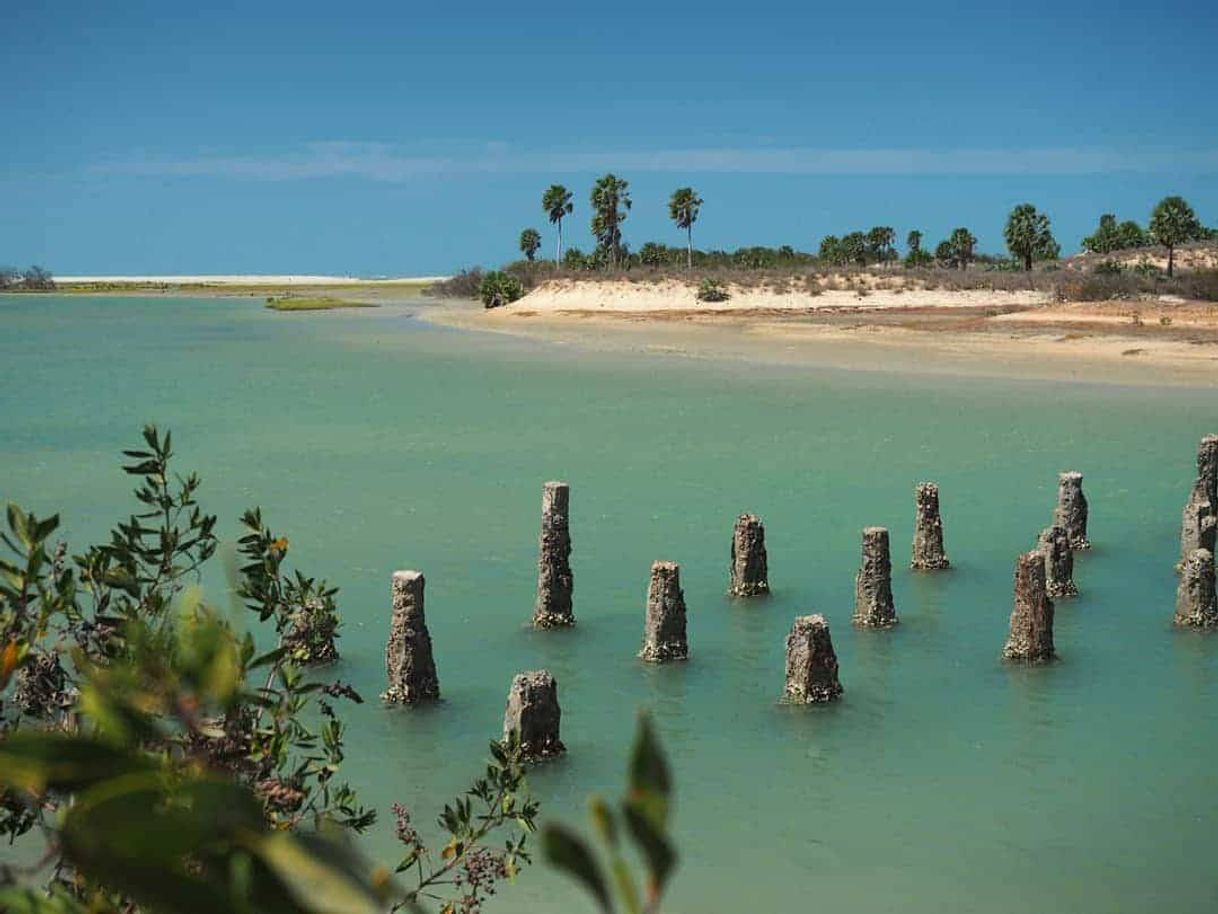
(651, 297)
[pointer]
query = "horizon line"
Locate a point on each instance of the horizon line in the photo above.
(386, 162)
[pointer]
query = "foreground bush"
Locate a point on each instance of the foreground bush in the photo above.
(499, 288)
(167, 763)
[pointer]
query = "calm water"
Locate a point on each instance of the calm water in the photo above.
(943, 781)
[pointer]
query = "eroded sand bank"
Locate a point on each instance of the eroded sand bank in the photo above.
(974, 332)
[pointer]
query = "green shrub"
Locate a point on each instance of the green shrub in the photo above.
(499, 288)
(712, 290)
(1108, 268)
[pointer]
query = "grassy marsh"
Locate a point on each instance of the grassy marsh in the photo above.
(321, 303)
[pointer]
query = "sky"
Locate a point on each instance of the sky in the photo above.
(412, 138)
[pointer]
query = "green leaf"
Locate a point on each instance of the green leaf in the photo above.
(18, 524)
(321, 875)
(45, 527)
(568, 852)
(626, 889)
(267, 659)
(650, 781)
(657, 849)
(39, 761)
(134, 834)
(145, 817)
(28, 901)
(602, 820)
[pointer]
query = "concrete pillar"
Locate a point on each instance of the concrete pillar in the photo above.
(1195, 600)
(811, 670)
(1059, 562)
(555, 582)
(1071, 511)
(1031, 636)
(1198, 524)
(1207, 466)
(928, 554)
(873, 607)
(664, 631)
(408, 660)
(533, 712)
(750, 571)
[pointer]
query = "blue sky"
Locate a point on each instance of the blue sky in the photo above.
(416, 138)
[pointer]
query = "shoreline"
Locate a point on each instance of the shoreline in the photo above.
(243, 279)
(1066, 343)
(1121, 343)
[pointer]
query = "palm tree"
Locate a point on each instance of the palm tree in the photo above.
(958, 250)
(610, 196)
(1028, 235)
(1173, 222)
(556, 202)
(683, 209)
(881, 243)
(530, 241)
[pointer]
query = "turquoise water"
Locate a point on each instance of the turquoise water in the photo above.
(943, 781)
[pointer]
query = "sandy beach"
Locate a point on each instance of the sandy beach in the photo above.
(967, 332)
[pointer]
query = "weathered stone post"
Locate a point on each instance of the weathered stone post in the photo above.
(1031, 636)
(750, 570)
(811, 674)
(1195, 599)
(1059, 562)
(555, 583)
(928, 554)
(408, 660)
(664, 631)
(873, 606)
(1207, 466)
(533, 712)
(1071, 511)
(1200, 518)
(1198, 525)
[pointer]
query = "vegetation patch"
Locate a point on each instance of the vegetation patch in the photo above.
(499, 288)
(324, 303)
(34, 279)
(463, 285)
(712, 290)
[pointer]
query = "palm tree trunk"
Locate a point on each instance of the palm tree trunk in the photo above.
(558, 256)
(1027, 261)
(1171, 259)
(689, 247)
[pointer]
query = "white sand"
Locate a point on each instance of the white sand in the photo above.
(625, 296)
(242, 280)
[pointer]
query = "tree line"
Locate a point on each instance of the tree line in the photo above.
(1028, 236)
(34, 277)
